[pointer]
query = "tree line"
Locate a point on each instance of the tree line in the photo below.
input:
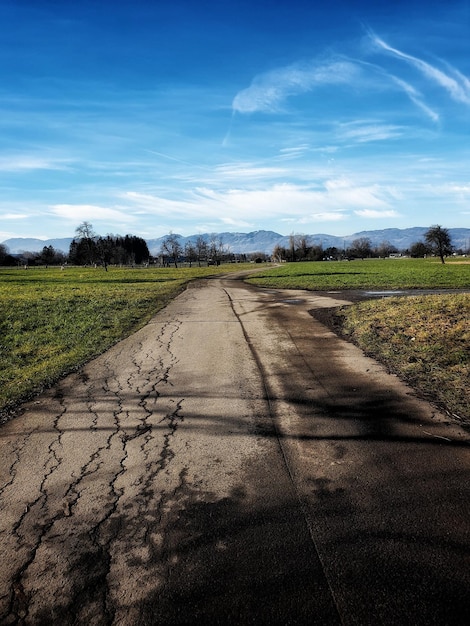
(210, 251)
(88, 248)
(437, 242)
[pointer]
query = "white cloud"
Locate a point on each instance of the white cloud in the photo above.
(370, 213)
(24, 163)
(90, 212)
(244, 207)
(330, 216)
(457, 192)
(229, 221)
(158, 205)
(457, 86)
(345, 193)
(362, 132)
(248, 170)
(268, 91)
(14, 216)
(294, 152)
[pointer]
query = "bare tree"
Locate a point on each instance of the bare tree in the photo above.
(201, 249)
(292, 246)
(361, 248)
(279, 253)
(216, 248)
(385, 249)
(86, 234)
(172, 247)
(439, 241)
(190, 252)
(85, 231)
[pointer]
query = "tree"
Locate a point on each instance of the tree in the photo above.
(190, 252)
(216, 249)
(439, 241)
(50, 256)
(87, 237)
(3, 253)
(302, 247)
(292, 246)
(332, 254)
(385, 249)
(5, 257)
(361, 248)
(136, 249)
(279, 253)
(82, 251)
(419, 250)
(172, 247)
(112, 249)
(201, 249)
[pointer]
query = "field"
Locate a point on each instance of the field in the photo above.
(53, 321)
(423, 339)
(368, 274)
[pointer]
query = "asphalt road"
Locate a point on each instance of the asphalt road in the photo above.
(234, 462)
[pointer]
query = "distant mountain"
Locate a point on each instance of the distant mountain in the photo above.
(238, 243)
(265, 240)
(23, 244)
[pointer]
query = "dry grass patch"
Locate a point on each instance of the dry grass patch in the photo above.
(423, 339)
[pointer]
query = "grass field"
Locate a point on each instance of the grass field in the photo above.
(423, 339)
(53, 321)
(368, 274)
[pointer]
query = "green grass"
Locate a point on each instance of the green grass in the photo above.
(53, 321)
(368, 274)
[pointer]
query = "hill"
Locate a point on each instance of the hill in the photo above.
(265, 240)
(28, 244)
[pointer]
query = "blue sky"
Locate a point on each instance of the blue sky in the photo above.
(146, 117)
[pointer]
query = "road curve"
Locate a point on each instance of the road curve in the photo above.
(234, 462)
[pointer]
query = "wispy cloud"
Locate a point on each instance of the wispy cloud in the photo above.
(80, 212)
(269, 90)
(296, 152)
(415, 97)
(333, 200)
(25, 163)
(364, 131)
(230, 221)
(454, 82)
(14, 216)
(244, 170)
(370, 213)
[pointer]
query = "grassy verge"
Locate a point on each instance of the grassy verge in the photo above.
(425, 340)
(53, 321)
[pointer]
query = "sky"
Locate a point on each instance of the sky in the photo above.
(208, 116)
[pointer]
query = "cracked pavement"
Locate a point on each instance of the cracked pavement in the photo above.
(234, 462)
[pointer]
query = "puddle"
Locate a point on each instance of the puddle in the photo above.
(383, 293)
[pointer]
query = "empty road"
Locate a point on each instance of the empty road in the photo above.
(234, 462)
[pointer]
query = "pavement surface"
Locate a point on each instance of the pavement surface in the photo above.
(234, 462)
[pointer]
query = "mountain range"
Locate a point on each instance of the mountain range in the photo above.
(265, 240)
